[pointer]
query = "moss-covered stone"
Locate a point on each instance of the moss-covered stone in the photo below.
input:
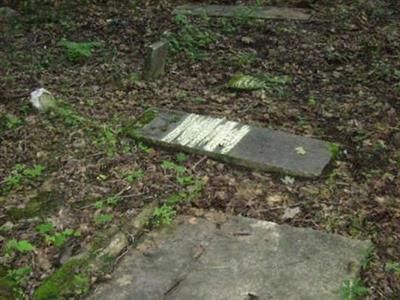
(246, 83)
(67, 281)
(42, 204)
(146, 117)
(131, 128)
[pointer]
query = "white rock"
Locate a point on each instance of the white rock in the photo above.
(290, 213)
(118, 243)
(42, 99)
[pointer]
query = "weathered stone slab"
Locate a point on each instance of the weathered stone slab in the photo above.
(241, 10)
(237, 143)
(237, 258)
(154, 66)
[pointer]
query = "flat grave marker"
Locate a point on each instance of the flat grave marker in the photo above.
(237, 143)
(261, 12)
(235, 258)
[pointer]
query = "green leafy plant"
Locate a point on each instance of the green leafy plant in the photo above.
(251, 83)
(113, 200)
(353, 290)
(68, 116)
(56, 238)
(13, 181)
(244, 58)
(17, 278)
(19, 246)
(169, 165)
(45, 228)
(144, 147)
(59, 238)
(393, 267)
(334, 149)
(184, 180)
(133, 176)
(181, 157)
(163, 215)
(76, 51)
(312, 101)
(33, 173)
(10, 122)
(20, 172)
(110, 140)
(103, 218)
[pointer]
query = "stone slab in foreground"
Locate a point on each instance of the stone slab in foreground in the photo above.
(237, 143)
(235, 258)
(245, 11)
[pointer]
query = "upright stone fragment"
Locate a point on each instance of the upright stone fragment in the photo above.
(154, 66)
(42, 100)
(235, 258)
(237, 143)
(284, 13)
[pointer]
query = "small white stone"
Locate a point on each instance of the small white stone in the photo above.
(290, 213)
(42, 99)
(118, 243)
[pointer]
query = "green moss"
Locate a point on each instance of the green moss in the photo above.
(43, 204)
(131, 128)
(65, 282)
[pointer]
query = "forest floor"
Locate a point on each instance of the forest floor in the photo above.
(67, 177)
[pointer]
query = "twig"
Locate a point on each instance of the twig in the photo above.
(199, 162)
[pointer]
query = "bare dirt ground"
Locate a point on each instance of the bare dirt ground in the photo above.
(65, 177)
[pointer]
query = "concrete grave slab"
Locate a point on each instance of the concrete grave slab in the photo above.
(284, 13)
(154, 66)
(235, 259)
(237, 143)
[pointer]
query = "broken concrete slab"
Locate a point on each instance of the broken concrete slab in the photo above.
(154, 66)
(284, 13)
(240, 144)
(235, 259)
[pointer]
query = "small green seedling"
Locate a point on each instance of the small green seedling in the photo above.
(163, 215)
(56, 238)
(12, 122)
(33, 173)
(335, 150)
(20, 172)
(181, 157)
(113, 200)
(185, 180)
(312, 101)
(169, 165)
(20, 246)
(353, 290)
(133, 176)
(144, 148)
(393, 267)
